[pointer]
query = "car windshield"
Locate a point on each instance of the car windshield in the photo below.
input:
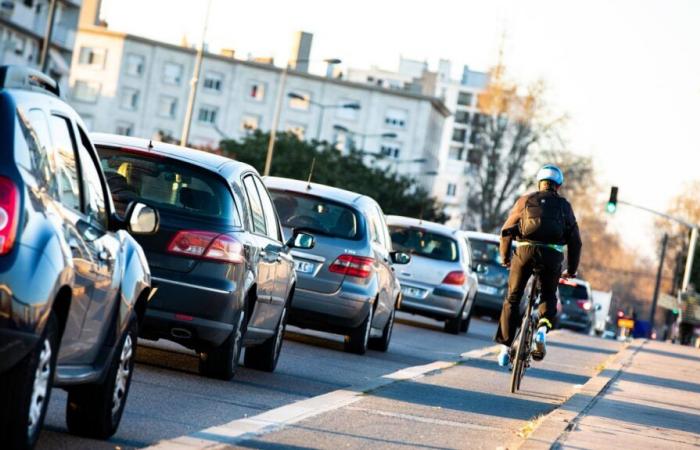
(578, 292)
(165, 184)
(485, 252)
(315, 214)
(423, 243)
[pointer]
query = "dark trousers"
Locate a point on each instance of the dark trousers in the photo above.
(526, 260)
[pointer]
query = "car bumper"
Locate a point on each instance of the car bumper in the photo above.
(439, 303)
(15, 345)
(336, 312)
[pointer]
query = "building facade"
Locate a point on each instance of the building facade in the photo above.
(22, 29)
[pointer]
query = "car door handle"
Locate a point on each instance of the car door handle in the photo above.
(270, 256)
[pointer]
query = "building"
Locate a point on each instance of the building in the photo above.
(453, 175)
(131, 85)
(22, 29)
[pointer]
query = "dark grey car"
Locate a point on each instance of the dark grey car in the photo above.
(346, 284)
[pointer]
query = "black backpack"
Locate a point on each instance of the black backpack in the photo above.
(543, 218)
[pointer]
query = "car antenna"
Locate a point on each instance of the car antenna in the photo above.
(420, 215)
(150, 144)
(311, 174)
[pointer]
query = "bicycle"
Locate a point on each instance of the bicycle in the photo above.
(524, 336)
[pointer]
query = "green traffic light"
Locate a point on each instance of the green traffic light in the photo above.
(611, 208)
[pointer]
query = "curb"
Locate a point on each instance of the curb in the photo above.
(553, 428)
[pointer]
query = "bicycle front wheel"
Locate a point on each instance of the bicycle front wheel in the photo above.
(520, 355)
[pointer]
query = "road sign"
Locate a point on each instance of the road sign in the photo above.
(625, 323)
(668, 302)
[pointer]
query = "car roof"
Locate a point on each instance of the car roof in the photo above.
(478, 235)
(319, 190)
(577, 281)
(210, 161)
(424, 224)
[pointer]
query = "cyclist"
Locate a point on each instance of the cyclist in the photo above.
(544, 222)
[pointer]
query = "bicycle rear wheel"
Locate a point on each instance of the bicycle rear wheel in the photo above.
(521, 338)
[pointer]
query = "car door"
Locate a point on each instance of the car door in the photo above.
(78, 237)
(380, 248)
(103, 245)
(263, 263)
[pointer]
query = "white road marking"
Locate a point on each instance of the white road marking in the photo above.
(450, 423)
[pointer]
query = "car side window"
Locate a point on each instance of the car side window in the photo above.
(67, 167)
(256, 209)
(95, 207)
(376, 231)
(35, 128)
(385, 230)
(271, 222)
(468, 253)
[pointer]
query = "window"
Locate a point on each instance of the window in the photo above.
(302, 103)
(396, 118)
(459, 134)
(376, 226)
(124, 128)
(424, 243)
(256, 90)
(456, 152)
(20, 45)
(451, 189)
(135, 65)
(92, 185)
(92, 57)
(213, 81)
(167, 106)
(391, 150)
(35, 129)
(172, 73)
(207, 114)
(256, 210)
(462, 117)
(297, 130)
(129, 99)
(273, 231)
(64, 150)
(465, 98)
(347, 113)
(250, 123)
(86, 91)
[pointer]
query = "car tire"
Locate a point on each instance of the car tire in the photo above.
(382, 343)
(222, 362)
(464, 324)
(25, 391)
(265, 356)
(452, 325)
(95, 410)
(358, 339)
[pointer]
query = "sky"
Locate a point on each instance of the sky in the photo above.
(625, 72)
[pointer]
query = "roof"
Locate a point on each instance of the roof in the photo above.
(423, 224)
(437, 103)
(319, 190)
(203, 159)
(489, 237)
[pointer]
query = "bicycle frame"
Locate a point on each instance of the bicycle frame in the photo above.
(523, 338)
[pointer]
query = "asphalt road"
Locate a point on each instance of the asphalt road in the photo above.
(169, 399)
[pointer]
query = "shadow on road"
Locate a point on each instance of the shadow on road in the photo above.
(669, 354)
(532, 372)
(684, 386)
(647, 416)
(583, 348)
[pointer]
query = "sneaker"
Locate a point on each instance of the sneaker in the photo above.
(540, 349)
(504, 356)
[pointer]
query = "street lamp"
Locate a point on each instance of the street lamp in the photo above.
(387, 135)
(322, 107)
(278, 110)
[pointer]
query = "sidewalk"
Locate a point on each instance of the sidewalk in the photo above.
(652, 400)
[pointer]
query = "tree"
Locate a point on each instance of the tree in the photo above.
(507, 126)
(293, 159)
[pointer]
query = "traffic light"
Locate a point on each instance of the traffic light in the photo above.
(612, 202)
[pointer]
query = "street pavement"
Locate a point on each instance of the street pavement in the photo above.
(168, 398)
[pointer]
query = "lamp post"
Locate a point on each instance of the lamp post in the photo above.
(278, 110)
(387, 135)
(323, 107)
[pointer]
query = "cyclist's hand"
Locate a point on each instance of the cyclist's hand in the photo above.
(566, 275)
(506, 264)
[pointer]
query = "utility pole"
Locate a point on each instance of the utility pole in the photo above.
(46, 44)
(657, 286)
(194, 82)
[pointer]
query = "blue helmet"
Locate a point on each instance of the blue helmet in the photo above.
(552, 173)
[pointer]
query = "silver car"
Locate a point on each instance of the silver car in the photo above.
(439, 281)
(346, 283)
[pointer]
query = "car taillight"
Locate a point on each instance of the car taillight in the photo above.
(207, 245)
(584, 304)
(353, 266)
(457, 277)
(9, 214)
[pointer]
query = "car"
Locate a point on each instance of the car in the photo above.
(493, 277)
(74, 283)
(224, 272)
(440, 281)
(347, 284)
(577, 311)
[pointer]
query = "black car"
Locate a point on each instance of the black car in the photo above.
(224, 273)
(73, 283)
(576, 307)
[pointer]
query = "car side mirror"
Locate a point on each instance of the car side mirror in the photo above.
(400, 258)
(301, 240)
(479, 268)
(142, 219)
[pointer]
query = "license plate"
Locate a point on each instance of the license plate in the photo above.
(304, 266)
(412, 292)
(487, 289)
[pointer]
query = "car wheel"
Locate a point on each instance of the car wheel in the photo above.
(95, 410)
(222, 361)
(452, 325)
(25, 391)
(265, 356)
(464, 324)
(358, 339)
(382, 343)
